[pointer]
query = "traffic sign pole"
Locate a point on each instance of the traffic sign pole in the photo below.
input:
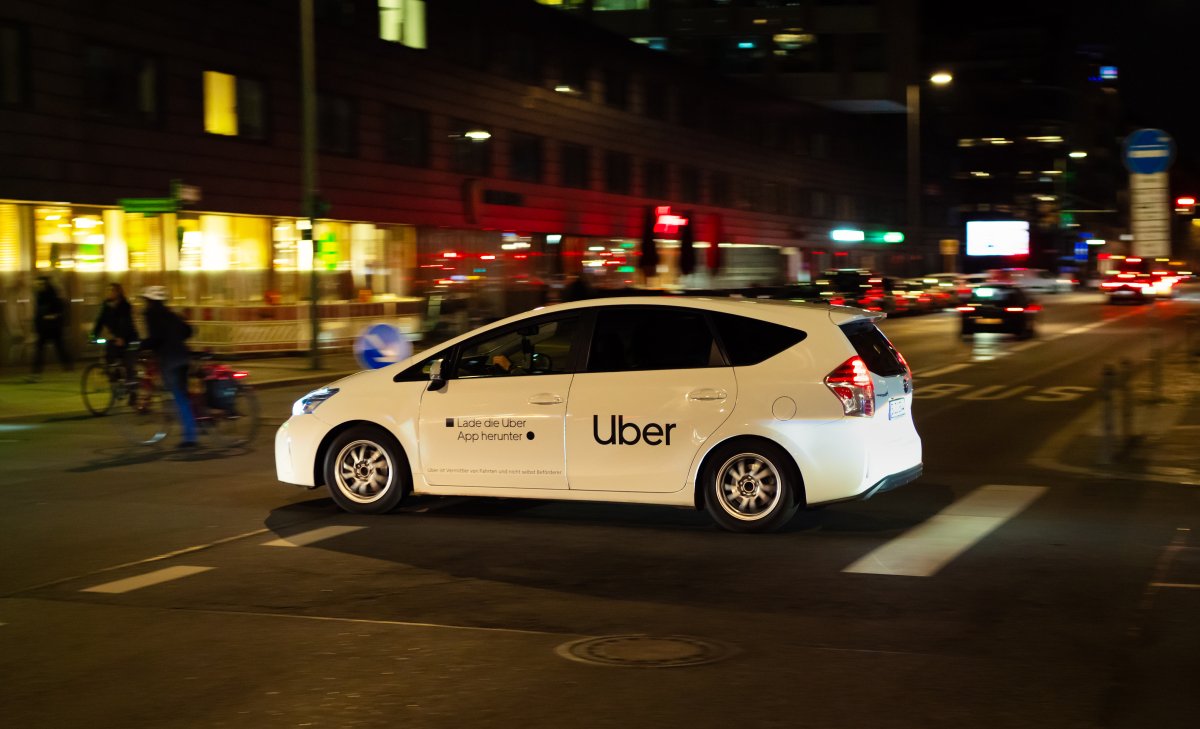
(1148, 154)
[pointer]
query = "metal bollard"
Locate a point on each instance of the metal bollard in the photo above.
(1108, 382)
(1126, 383)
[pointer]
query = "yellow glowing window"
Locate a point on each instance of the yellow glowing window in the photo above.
(402, 21)
(220, 103)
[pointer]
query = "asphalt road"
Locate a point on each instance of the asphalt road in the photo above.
(146, 588)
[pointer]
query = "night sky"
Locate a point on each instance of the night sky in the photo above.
(1153, 41)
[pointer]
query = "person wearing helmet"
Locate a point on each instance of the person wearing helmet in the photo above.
(167, 335)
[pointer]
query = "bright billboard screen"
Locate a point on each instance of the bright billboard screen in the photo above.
(997, 238)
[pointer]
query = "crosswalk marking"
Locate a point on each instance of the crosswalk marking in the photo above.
(923, 550)
(156, 577)
(944, 370)
(303, 539)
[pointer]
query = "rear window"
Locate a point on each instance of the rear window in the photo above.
(994, 295)
(750, 341)
(874, 348)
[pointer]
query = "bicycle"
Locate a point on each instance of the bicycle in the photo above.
(103, 382)
(224, 405)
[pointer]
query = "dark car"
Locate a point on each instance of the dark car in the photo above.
(1000, 308)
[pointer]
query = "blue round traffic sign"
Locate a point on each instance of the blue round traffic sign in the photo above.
(1149, 151)
(381, 345)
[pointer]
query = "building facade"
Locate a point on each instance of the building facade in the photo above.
(467, 149)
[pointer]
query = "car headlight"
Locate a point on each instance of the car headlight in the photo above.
(312, 400)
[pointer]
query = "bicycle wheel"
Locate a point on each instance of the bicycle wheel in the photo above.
(97, 388)
(144, 414)
(238, 425)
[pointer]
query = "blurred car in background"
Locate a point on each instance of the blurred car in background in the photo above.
(1136, 288)
(1033, 279)
(955, 286)
(1001, 308)
(857, 287)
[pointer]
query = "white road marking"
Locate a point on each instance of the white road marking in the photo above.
(1024, 346)
(303, 539)
(944, 370)
(369, 621)
(156, 577)
(923, 550)
(1185, 585)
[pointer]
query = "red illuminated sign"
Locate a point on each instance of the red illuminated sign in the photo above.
(667, 222)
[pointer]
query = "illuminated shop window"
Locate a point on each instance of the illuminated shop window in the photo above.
(402, 21)
(224, 243)
(68, 238)
(143, 240)
(233, 106)
(10, 238)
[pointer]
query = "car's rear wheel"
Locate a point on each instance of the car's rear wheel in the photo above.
(751, 486)
(366, 470)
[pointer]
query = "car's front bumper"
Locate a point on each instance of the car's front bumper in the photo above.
(296, 445)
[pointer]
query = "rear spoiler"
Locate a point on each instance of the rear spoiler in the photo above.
(840, 315)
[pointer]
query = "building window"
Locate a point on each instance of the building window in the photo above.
(618, 169)
(654, 179)
(406, 136)
(575, 167)
(616, 88)
(657, 98)
(233, 106)
(336, 125)
(471, 148)
(121, 85)
(689, 184)
(718, 189)
(525, 152)
(14, 66)
(403, 22)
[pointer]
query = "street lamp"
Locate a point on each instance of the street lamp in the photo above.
(913, 101)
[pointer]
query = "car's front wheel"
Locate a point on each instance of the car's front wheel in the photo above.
(751, 486)
(366, 470)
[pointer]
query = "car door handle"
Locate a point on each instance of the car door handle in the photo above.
(545, 398)
(707, 393)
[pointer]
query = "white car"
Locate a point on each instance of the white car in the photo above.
(747, 408)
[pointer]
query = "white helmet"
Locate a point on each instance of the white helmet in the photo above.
(155, 293)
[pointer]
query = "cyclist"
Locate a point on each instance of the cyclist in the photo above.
(167, 335)
(116, 316)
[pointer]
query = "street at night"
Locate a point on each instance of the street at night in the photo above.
(1018, 583)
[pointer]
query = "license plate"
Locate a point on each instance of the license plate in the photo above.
(896, 409)
(988, 321)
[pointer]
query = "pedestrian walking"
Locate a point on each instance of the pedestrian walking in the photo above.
(116, 319)
(166, 335)
(49, 316)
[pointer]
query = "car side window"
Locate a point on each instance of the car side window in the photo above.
(750, 341)
(419, 372)
(539, 348)
(651, 338)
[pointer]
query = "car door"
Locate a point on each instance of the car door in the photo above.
(653, 389)
(499, 419)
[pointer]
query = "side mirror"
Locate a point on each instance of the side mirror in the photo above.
(436, 380)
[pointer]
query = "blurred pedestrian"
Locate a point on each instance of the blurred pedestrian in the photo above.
(116, 318)
(49, 315)
(166, 335)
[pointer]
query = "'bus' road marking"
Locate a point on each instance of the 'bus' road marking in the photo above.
(304, 539)
(944, 370)
(923, 550)
(130, 584)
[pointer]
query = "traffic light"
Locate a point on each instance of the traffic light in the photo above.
(1185, 205)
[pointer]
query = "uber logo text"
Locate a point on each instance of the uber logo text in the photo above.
(631, 433)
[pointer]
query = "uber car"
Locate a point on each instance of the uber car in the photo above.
(747, 408)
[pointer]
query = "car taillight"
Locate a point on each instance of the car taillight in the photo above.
(964, 308)
(851, 383)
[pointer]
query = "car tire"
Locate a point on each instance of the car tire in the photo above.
(366, 470)
(751, 485)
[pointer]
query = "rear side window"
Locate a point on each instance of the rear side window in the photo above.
(750, 341)
(874, 348)
(651, 338)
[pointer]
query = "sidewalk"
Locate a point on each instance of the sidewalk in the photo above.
(58, 395)
(1165, 424)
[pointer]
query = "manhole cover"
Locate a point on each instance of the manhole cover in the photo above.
(645, 651)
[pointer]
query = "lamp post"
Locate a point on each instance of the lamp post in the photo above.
(913, 104)
(308, 156)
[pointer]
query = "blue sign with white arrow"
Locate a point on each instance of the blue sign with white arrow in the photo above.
(1149, 151)
(381, 345)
